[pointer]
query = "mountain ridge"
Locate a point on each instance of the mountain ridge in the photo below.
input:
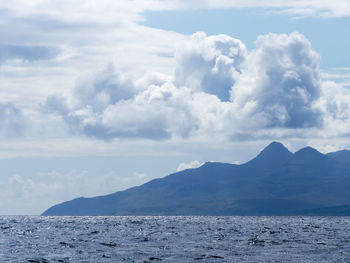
(275, 182)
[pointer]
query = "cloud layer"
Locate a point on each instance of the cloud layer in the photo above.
(321, 8)
(29, 53)
(165, 86)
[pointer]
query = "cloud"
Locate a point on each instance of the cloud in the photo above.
(338, 75)
(334, 103)
(92, 96)
(218, 89)
(12, 120)
(76, 39)
(210, 64)
(105, 10)
(280, 82)
(159, 112)
(190, 165)
(299, 8)
(27, 53)
(105, 88)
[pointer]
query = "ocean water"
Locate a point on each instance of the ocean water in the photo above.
(174, 239)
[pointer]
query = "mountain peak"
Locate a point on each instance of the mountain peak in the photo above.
(273, 154)
(308, 150)
(311, 155)
(275, 147)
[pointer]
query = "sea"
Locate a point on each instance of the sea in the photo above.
(174, 239)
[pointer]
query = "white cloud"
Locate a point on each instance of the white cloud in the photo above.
(334, 104)
(275, 91)
(12, 120)
(275, 86)
(98, 92)
(190, 165)
(338, 75)
(320, 8)
(26, 53)
(46, 46)
(210, 64)
(280, 82)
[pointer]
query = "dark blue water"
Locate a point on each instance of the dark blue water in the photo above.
(174, 239)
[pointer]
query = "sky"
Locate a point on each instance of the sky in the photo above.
(100, 96)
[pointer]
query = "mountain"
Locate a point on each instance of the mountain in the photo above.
(275, 154)
(276, 182)
(341, 156)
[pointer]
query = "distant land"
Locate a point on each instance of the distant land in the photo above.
(276, 182)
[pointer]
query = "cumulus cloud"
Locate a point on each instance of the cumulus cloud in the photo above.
(218, 89)
(210, 64)
(280, 82)
(334, 104)
(105, 88)
(156, 113)
(92, 97)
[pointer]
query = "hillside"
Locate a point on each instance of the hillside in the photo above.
(276, 182)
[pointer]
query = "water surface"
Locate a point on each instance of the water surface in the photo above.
(174, 239)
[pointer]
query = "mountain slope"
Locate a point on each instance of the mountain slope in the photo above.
(341, 156)
(276, 182)
(274, 155)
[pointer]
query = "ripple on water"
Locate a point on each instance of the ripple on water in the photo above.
(174, 239)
